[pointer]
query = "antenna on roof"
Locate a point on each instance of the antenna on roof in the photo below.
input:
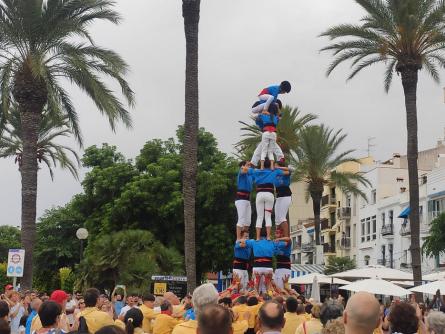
(370, 145)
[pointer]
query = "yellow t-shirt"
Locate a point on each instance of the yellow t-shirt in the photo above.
(241, 310)
(240, 327)
(164, 324)
(313, 326)
(96, 319)
(149, 315)
(293, 321)
(187, 327)
(254, 309)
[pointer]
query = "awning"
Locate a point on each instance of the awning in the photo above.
(405, 213)
(305, 269)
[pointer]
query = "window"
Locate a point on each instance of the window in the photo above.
(383, 219)
(363, 231)
(374, 227)
(367, 258)
(293, 258)
(373, 197)
(348, 231)
(299, 240)
(294, 242)
(354, 235)
(348, 200)
(391, 216)
(368, 229)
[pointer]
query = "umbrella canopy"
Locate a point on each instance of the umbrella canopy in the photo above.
(322, 279)
(431, 288)
(377, 287)
(376, 271)
(315, 292)
(434, 276)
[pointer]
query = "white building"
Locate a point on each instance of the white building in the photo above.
(384, 231)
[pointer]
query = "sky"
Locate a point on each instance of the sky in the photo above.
(244, 46)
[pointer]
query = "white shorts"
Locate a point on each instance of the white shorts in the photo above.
(244, 211)
(282, 205)
(279, 275)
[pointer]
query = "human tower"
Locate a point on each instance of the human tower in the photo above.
(268, 173)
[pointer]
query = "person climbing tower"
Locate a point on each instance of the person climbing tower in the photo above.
(269, 95)
(242, 200)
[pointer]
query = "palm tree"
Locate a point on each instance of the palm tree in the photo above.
(317, 160)
(292, 121)
(405, 35)
(48, 151)
(190, 12)
(42, 44)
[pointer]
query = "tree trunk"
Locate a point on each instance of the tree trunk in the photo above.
(316, 204)
(28, 170)
(31, 96)
(409, 81)
(190, 12)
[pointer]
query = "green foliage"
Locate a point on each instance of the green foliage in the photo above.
(121, 196)
(318, 157)
(57, 245)
(128, 257)
(38, 45)
(338, 264)
(407, 34)
(66, 276)
(52, 127)
(4, 280)
(434, 243)
(9, 239)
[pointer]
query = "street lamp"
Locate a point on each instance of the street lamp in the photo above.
(81, 234)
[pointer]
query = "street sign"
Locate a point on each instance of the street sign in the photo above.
(16, 262)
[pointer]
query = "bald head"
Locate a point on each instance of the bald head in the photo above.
(271, 317)
(362, 314)
(172, 298)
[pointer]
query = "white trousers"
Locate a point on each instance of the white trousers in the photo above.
(269, 143)
(282, 205)
(279, 275)
(264, 206)
(257, 154)
(261, 271)
(264, 106)
(244, 278)
(244, 211)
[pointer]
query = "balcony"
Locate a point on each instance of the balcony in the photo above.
(308, 247)
(405, 230)
(405, 265)
(387, 230)
(296, 246)
(344, 213)
(328, 248)
(328, 200)
(381, 262)
(324, 224)
(345, 243)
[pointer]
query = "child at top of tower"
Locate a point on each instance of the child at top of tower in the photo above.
(269, 95)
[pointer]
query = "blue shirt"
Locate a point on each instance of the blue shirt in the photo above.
(263, 176)
(118, 305)
(263, 247)
(244, 182)
(29, 321)
(190, 314)
(268, 120)
(273, 90)
(283, 249)
(242, 252)
(282, 181)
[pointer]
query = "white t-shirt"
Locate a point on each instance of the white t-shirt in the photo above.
(71, 305)
(15, 322)
(125, 309)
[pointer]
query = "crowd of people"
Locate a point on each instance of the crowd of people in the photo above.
(232, 311)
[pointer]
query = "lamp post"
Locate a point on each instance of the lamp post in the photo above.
(81, 234)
